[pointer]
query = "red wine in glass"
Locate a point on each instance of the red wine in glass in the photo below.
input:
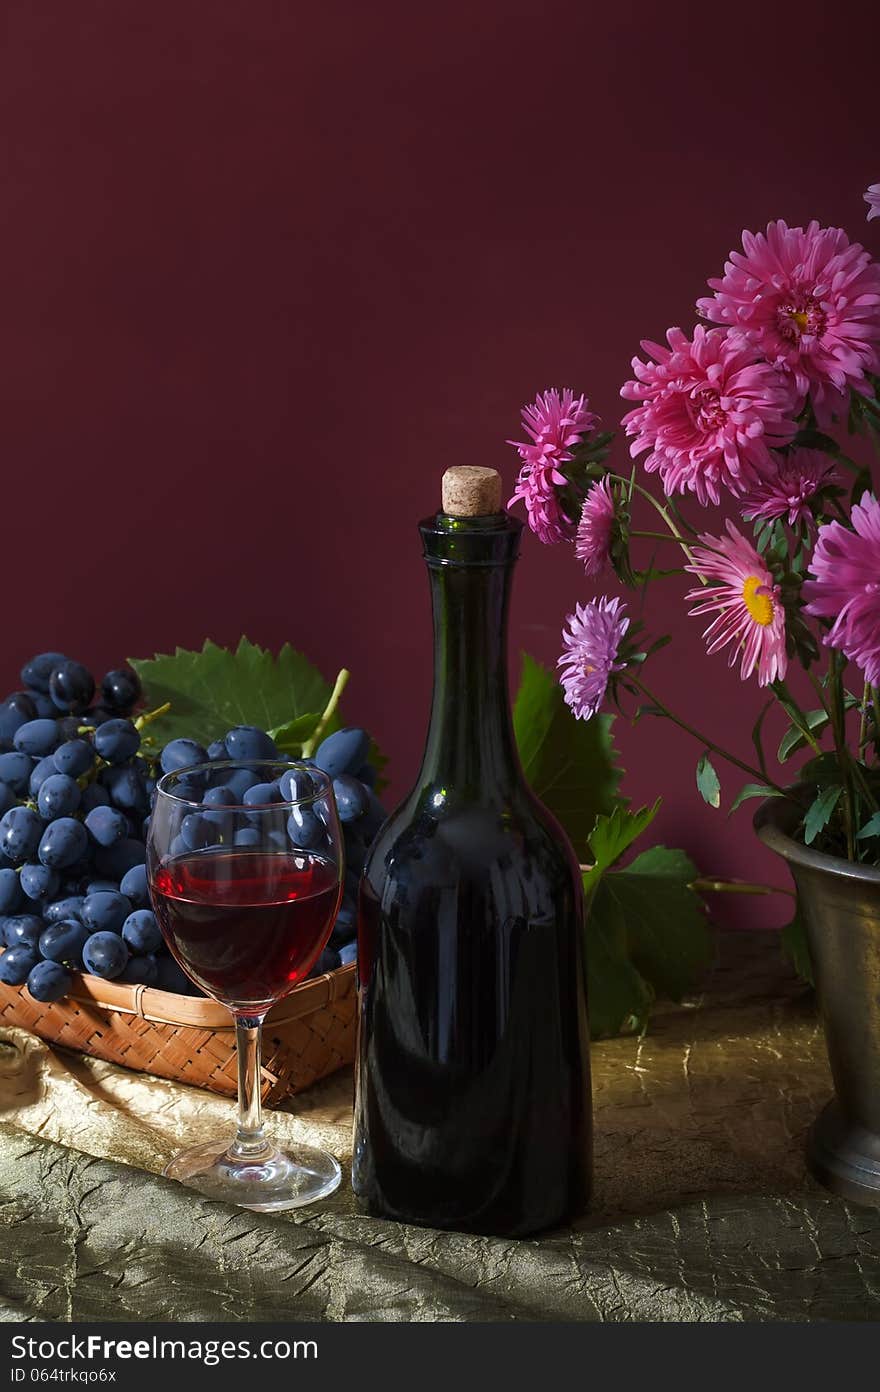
(246, 926)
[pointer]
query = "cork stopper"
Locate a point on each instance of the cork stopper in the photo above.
(469, 491)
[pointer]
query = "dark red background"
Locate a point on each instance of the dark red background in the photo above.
(267, 269)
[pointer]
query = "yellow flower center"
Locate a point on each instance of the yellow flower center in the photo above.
(802, 319)
(760, 606)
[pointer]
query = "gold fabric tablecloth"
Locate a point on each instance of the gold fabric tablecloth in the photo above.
(703, 1209)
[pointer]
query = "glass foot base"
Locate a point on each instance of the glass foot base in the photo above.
(279, 1179)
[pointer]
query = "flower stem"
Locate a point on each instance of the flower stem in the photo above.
(658, 507)
(708, 743)
(705, 886)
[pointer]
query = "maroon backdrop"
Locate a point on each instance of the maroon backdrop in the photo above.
(268, 269)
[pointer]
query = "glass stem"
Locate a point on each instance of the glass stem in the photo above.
(250, 1141)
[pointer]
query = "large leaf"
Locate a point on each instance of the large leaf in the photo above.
(646, 930)
(569, 763)
(212, 690)
(668, 933)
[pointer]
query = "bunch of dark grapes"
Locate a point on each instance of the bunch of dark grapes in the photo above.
(76, 788)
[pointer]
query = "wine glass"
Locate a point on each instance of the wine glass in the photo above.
(245, 868)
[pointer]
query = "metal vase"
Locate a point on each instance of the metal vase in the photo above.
(840, 907)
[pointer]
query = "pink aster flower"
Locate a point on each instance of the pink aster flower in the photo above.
(844, 585)
(872, 198)
(789, 491)
(591, 644)
(555, 423)
(749, 614)
(810, 300)
(596, 528)
(712, 411)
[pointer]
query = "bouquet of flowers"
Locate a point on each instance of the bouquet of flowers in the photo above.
(750, 410)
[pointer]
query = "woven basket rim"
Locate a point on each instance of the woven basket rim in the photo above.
(168, 1008)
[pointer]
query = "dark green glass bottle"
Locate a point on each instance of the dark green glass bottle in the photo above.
(473, 1086)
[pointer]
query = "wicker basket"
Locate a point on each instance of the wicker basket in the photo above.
(307, 1036)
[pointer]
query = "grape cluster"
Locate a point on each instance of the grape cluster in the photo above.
(76, 788)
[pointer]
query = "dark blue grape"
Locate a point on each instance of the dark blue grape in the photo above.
(217, 750)
(20, 832)
(107, 825)
(121, 690)
(238, 781)
(262, 795)
(351, 798)
(126, 788)
(117, 741)
(16, 964)
(375, 817)
(37, 738)
(170, 977)
(221, 796)
(345, 926)
(71, 686)
(141, 932)
(343, 751)
(94, 886)
(367, 775)
(95, 795)
(49, 981)
(116, 861)
(296, 783)
(64, 842)
(355, 850)
(247, 742)
(63, 941)
(304, 828)
(59, 796)
(38, 670)
(327, 962)
(140, 971)
(44, 706)
(99, 715)
(105, 954)
(75, 757)
(247, 837)
(10, 891)
(348, 954)
(134, 887)
(15, 711)
(198, 832)
(22, 928)
(44, 768)
(351, 883)
(15, 770)
(69, 907)
(105, 911)
(39, 882)
(180, 753)
(187, 791)
(7, 798)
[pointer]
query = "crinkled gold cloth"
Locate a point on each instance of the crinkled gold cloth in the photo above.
(703, 1209)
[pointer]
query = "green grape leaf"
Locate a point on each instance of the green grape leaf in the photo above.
(614, 834)
(212, 690)
(291, 736)
(570, 764)
(795, 948)
(619, 998)
(708, 782)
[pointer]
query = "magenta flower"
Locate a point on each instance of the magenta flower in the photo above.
(872, 198)
(711, 413)
(789, 492)
(746, 602)
(845, 586)
(810, 300)
(590, 657)
(596, 528)
(555, 423)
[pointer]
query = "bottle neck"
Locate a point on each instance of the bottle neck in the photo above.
(470, 746)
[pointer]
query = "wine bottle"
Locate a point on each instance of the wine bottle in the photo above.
(473, 1087)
